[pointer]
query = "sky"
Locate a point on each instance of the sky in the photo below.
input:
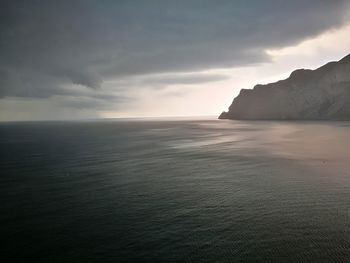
(87, 59)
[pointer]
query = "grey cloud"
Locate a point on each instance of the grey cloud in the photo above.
(29, 83)
(45, 45)
(164, 80)
(185, 79)
(81, 102)
(87, 79)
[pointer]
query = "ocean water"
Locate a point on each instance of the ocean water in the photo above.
(175, 191)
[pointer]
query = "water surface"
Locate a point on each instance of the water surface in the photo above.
(175, 191)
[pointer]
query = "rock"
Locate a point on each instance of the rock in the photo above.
(321, 94)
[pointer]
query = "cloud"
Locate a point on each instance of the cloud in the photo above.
(81, 102)
(185, 79)
(160, 81)
(45, 46)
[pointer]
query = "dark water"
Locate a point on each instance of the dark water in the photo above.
(175, 191)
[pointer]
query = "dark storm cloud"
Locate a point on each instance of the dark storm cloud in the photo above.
(45, 45)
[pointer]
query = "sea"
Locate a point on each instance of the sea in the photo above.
(175, 190)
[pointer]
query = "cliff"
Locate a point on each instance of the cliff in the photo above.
(321, 94)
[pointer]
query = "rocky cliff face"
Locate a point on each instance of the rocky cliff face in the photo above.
(321, 94)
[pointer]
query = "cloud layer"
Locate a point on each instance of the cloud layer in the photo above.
(46, 46)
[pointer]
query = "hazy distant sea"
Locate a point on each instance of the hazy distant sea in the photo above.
(175, 191)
